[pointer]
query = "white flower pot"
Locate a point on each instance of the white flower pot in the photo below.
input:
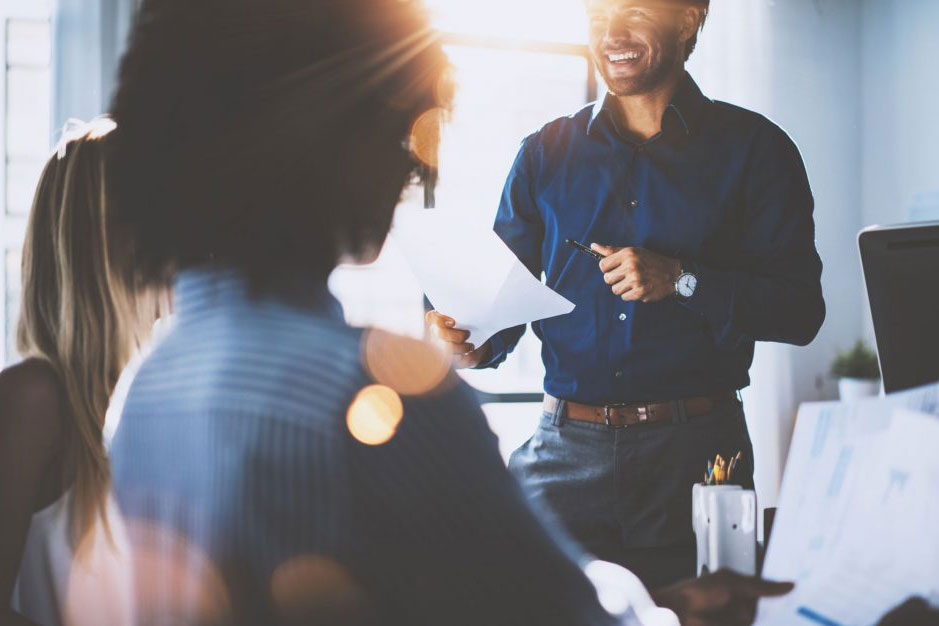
(856, 388)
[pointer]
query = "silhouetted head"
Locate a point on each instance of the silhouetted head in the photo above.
(272, 136)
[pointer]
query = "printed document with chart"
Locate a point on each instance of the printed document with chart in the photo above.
(858, 509)
(469, 274)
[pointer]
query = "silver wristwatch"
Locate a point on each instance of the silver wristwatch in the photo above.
(685, 284)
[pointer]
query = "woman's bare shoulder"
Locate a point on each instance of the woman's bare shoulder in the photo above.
(32, 401)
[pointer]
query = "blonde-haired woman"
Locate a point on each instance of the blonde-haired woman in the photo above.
(80, 323)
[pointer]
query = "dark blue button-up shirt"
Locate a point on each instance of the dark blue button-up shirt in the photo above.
(722, 188)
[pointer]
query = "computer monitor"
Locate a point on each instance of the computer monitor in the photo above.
(901, 269)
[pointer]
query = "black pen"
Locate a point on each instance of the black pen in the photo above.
(579, 246)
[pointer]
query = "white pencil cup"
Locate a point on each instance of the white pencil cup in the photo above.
(724, 522)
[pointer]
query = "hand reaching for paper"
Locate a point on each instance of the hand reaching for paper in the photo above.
(637, 274)
(914, 612)
(720, 599)
(443, 329)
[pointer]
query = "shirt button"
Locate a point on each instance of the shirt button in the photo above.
(622, 317)
(634, 204)
(619, 373)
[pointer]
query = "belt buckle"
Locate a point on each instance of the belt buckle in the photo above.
(606, 414)
(643, 412)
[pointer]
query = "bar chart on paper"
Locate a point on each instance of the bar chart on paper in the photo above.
(856, 524)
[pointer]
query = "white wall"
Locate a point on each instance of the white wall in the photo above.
(797, 62)
(900, 87)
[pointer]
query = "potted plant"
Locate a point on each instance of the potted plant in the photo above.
(857, 371)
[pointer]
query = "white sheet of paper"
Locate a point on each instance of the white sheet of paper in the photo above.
(852, 545)
(468, 273)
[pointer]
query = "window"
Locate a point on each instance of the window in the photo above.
(25, 43)
(11, 301)
(517, 67)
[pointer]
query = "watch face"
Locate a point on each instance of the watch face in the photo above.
(686, 285)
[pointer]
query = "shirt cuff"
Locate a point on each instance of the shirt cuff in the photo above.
(498, 352)
(623, 595)
(713, 296)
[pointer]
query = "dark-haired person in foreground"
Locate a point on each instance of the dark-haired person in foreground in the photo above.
(272, 463)
(703, 213)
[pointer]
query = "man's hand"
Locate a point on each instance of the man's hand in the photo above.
(913, 612)
(720, 599)
(453, 339)
(637, 274)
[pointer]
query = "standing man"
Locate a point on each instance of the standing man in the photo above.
(703, 214)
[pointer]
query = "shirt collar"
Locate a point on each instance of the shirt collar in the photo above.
(199, 290)
(685, 108)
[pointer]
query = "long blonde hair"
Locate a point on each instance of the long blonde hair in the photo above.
(79, 311)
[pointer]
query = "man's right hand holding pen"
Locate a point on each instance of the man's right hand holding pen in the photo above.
(444, 330)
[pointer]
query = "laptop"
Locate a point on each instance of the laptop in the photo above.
(901, 271)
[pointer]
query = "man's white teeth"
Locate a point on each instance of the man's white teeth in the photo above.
(626, 56)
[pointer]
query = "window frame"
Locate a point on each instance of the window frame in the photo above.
(477, 42)
(13, 226)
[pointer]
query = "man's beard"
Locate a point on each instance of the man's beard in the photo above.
(646, 81)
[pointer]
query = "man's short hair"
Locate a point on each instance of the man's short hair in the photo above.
(268, 135)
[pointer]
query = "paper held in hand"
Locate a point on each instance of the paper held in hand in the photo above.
(469, 274)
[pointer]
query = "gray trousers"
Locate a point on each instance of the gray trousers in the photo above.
(625, 493)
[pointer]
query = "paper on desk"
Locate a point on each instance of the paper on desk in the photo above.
(469, 274)
(841, 518)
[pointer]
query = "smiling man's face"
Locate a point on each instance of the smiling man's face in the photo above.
(636, 44)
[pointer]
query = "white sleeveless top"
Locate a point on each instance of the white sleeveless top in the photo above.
(56, 587)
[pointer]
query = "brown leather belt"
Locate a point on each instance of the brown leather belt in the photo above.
(623, 415)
